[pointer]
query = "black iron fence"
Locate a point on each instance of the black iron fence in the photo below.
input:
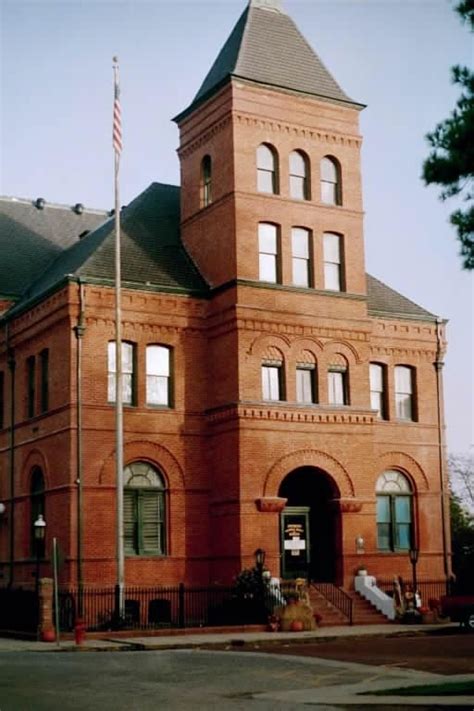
(18, 610)
(166, 607)
(428, 589)
(337, 597)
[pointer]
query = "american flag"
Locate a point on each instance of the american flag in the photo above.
(117, 130)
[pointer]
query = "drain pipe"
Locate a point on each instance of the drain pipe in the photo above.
(79, 330)
(11, 366)
(439, 363)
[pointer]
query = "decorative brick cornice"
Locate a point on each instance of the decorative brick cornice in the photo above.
(188, 148)
(424, 354)
(318, 414)
(314, 134)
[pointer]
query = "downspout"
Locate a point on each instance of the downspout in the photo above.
(439, 363)
(79, 332)
(11, 365)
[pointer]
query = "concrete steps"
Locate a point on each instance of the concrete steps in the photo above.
(363, 612)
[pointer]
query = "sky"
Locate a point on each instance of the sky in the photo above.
(56, 93)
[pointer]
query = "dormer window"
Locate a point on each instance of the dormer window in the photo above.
(299, 172)
(206, 181)
(331, 192)
(267, 169)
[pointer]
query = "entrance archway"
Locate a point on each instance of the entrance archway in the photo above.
(310, 526)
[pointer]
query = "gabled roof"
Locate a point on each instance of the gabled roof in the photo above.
(152, 252)
(387, 303)
(267, 48)
(32, 237)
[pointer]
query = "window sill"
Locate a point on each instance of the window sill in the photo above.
(147, 556)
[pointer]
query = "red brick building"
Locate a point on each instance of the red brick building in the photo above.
(276, 396)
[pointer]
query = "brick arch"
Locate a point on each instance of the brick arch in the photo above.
(345, 348)
(306, 343)
(261, 342)
(308, 458)
(404, 463)
(151, 452)
(34, 458)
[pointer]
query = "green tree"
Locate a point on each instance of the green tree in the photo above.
(451, 161)
(462, 543)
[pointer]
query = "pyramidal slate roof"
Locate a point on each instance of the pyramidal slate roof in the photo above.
(266, 47)
(33, 234)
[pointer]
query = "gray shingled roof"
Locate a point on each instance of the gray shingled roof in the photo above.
(386, 302)
(32, 238)
(152, 252)
(266, 47)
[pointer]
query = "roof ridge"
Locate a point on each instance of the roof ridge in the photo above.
(54, 205)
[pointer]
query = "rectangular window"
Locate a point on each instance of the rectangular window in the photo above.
(30, 386)
(332, 261)
(44, 368)
(404, 392)
(377, 389)
(337, 387)
(300, 246)
(305, 385)
(271, 382)
(158, 375)
(268, 252)
(2, 400)
(128, 373)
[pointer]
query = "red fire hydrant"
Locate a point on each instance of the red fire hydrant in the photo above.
(79, 631)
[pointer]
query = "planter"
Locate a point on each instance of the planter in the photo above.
(296, 626)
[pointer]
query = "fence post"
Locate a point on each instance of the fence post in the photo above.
(181, 605)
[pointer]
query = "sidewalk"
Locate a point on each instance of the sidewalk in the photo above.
(190, 640)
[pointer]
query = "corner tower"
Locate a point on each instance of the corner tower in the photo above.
(271, 138)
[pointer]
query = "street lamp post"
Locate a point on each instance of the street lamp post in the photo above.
(414, 553)
(40, 530)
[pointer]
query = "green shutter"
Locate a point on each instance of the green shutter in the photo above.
(150, 529)
(130, 522)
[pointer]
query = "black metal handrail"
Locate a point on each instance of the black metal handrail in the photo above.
(337, 597)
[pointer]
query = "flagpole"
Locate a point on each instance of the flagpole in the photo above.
(117, 143)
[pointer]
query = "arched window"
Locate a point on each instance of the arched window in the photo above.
(299, 176)
(331, 191)
(394, 512)
(144, 514)
(267, 169)
(36, 509)
(206, 181)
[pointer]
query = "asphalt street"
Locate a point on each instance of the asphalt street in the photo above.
(184, 679)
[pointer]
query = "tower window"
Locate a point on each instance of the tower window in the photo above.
(268, 249)
(333, 273)
(206, 181)
(30, 386)
(301, 256)
(331, 192)
(299, 176)
(267, 169)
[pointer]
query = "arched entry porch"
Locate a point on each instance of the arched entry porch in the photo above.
(310, 524)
